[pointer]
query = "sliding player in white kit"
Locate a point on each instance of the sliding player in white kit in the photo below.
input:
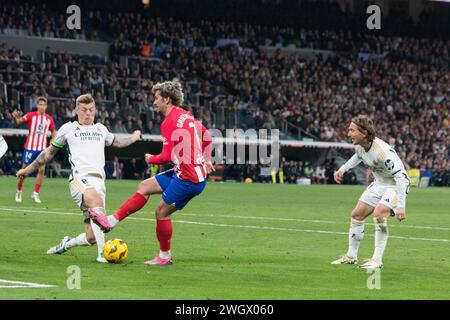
(85, 143)
(385, 195)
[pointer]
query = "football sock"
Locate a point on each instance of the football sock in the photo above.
(20, 184)
(381, 237)
(133, 204)
(355, 235)
(99, 237)
(164, 254)
(164, 233)
(37, 188)
(80, 240)
(112, 220)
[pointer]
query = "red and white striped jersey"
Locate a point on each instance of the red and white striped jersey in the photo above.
(38, 126)
(186, 143)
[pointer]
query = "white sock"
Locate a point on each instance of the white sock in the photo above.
(355, 235)
(112, 220)
(164, 254)
(381, 237)
(80, 240)
(98, 233)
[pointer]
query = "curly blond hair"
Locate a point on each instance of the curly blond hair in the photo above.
(170, 89)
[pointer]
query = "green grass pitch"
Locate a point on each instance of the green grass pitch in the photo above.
(234, 241)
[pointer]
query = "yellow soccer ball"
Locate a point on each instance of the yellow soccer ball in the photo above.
(115, 251)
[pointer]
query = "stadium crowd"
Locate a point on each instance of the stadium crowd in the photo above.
(401, 82)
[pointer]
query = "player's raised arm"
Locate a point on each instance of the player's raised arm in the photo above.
(44, 157)
(122, 142)
(18, 120)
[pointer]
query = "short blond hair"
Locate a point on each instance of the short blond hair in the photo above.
(170, 89)
(41, 98)
(84, 99)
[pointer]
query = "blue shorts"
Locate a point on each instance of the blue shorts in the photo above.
(178, 192)
(28, 156)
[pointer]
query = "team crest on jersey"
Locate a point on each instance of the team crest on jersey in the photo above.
(389, 164)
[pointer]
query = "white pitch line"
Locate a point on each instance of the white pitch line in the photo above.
(238, 226)
(20, 284)
(252, 218)
(306, 220)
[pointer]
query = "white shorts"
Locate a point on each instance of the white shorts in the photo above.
(78, 186)
(376, 194)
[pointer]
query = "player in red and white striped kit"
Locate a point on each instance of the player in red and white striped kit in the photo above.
(39, 123)
(187, 144)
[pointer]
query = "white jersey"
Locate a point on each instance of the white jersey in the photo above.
(3, 146)
(86, 147)
(387, 167)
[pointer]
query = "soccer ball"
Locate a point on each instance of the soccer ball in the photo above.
(115, 251)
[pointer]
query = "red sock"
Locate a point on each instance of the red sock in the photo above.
(133, 204)
(164, 233)
(37, 188)
(20, 185)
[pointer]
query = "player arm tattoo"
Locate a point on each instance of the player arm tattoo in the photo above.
(44, 157)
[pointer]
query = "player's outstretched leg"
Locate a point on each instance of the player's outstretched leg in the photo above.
(355, 234)
(133, 204)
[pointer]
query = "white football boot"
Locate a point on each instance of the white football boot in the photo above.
(19, 196)
(345, 260)
(59, 248)
(35, 197)
(372, 264)
(101, 259)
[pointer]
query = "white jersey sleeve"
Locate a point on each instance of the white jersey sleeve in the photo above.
(61, 135)
(394, 169)
(3, 146)
(351, 163)
(109, 137)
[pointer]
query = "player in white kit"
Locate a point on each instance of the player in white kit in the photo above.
(386, 195)
(85, 141)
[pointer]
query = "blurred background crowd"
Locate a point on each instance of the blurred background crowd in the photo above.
(398, 75)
